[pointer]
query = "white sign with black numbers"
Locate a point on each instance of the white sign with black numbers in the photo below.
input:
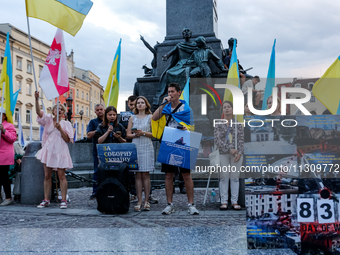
(305, 209)
(325, 211)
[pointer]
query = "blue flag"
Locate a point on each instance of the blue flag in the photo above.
(270, 83)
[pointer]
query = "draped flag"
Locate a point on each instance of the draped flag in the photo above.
(186, 91)
(112, 87)
(270, 83)
(327, 88)
(54, 76)
(6, 79)
(20, 133)
(67, 15)
(75, 130)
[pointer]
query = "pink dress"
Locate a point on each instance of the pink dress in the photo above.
(55, 152)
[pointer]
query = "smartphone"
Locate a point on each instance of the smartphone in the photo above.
(133, 129)
(119, 132)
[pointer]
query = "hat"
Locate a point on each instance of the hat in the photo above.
(2, 110)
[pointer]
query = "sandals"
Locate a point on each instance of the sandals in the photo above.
(137, 208)
(236, 207)
(224, 207)
(146, 206)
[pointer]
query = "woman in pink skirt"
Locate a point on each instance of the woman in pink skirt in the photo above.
(54, 153)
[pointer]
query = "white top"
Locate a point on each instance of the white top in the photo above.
(246, 85)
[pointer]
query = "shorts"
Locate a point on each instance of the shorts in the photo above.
(174, 169)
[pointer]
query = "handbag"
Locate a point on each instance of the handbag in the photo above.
(214, 157)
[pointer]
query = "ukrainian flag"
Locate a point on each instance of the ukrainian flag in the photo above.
(327, 88)
(68, 15)
(6, 78)
(270, 83)
(186, 92)
(112, 87)
(233, 75)
(184, 118)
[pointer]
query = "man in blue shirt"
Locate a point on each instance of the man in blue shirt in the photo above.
(91, 130)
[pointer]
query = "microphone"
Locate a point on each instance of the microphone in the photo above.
(111, 123)
(166, 101)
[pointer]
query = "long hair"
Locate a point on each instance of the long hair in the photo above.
(148, 106)
(229, 102)
(105, 120)
(278, 103)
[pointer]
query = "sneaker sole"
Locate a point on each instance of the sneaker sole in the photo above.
(195, 213)
(167, 213)
(63, 207)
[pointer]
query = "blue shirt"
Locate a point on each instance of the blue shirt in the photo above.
(93, 124)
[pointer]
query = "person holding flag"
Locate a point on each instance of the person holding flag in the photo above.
(54, 153)
(178, 114)
(8, 137)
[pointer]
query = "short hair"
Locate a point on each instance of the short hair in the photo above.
(98, 105)
(62, 106)
(229, 102)
(148, 106)
(257, 78)
(132, 98)
(175, 85)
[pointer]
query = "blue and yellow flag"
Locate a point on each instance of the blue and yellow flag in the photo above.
(6, 78)
(233, 75)
(184, 118)
(270, 83)
(112, 87)
(186, 92)
(327, 88)
(68, 15)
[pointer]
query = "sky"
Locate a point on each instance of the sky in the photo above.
(306, 33)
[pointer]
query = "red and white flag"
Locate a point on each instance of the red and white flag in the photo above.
(54, 77)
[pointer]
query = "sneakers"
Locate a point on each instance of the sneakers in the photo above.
(169, 209)
(63, 205)
(7, 202)
(192, 210)
(44, 203)
(153, 200)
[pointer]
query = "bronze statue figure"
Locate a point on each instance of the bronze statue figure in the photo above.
(153, 50)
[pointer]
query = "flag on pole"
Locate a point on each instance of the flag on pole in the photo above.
(75, 130)
(6, 79)
(233, 75)
(21, 134)
(54, 76)
(112, 87)
(186, 91)
(270, 83)
(327, 88)
(67, 15)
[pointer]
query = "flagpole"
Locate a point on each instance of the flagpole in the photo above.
(31, 127)
(58, 110)
(108, 101)
(19, 127)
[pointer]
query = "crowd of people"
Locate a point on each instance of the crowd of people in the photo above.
(105, 128)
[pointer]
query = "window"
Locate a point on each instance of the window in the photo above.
(65, 94)
(29, 67)
(310, 86)
(312, 98)
(270, 199)
(29, 88)
(95, 94)
(40, 70)
(87, 111)
(288, 204)
(2, 56)
(297, 85)
(16, 114)
(82, 108)
(77, 111)
(71, 93)
(87, 96)
(19, 85)
(19, 63)
(82, 95)
(288, 196)
(28, 116)
(270, 206)
(77, 92)
(98, 95)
